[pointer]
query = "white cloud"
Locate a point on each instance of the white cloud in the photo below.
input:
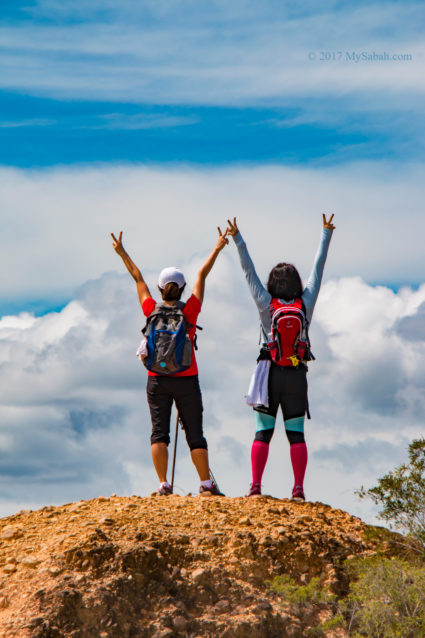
(74, 420)
(30, 122)
(56, 222)
(141, 121)
(218, 53)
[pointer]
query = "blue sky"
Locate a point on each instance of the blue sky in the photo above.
(210, 83)
(164, 119)
(37, 132)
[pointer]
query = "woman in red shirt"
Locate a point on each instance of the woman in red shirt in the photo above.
(181, 387)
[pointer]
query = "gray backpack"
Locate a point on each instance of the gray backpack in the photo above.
(168, 342)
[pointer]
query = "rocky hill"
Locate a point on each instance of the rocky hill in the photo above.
(164, 567)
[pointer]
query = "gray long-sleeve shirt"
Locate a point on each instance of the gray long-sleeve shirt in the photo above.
(262, 297)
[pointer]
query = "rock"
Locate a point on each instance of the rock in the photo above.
(180, 623)
(171, 568)
(30, 561)
(211, 539)
(263, 605)
(10, 532)
(11, 559)
(222, 606)
(200, 575)
(107, 521)
(265, 541)
(3, 602)
(245, 521)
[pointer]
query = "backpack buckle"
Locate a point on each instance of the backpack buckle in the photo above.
(294, 360)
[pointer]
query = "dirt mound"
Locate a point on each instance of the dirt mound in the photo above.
(168, 566)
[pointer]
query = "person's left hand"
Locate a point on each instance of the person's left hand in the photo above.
(328, 224)
(222, 239)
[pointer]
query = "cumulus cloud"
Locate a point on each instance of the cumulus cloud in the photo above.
(74, 420)
(412, 326)
(360, 456)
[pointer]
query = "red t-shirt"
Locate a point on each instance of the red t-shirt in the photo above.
(191, 311)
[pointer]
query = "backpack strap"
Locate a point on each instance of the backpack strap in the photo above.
(164, 310)
(309, 356)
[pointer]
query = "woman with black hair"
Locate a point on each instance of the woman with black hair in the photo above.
(284, 378)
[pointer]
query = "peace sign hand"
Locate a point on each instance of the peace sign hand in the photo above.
(117, 244)
(328, 224)
(222, 239)
(232, 229)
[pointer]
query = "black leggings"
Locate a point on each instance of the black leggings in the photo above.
(287, 388)
(185, 391)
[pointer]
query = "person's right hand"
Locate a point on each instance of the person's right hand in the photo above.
(222, 239)
(328, 224)
(232, 229)
(117, 244)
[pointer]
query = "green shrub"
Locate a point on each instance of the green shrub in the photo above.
(305, 601)
(401, 494)
(387, 596)
(386, 599)
(312, 593)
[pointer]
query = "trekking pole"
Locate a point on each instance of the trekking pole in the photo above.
(212, 478)
(175, 449)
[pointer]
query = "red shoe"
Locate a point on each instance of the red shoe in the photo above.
(298, 494)
(254, 490)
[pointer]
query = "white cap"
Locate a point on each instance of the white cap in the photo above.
(171, 274)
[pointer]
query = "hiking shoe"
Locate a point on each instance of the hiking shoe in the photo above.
(254, 489)
(298, 494)
(213, 491)
(165, 490)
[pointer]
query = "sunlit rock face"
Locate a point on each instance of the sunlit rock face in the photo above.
(169, 566)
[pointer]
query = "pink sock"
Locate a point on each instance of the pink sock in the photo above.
(259, 454)
(299, 458)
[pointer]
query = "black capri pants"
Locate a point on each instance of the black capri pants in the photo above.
(185, 391)
(287, 389)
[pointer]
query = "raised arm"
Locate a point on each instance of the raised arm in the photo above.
(199, 287)
(142, 288)
(259, 293)
(311, 291)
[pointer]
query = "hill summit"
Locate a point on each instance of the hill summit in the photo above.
(165, 567)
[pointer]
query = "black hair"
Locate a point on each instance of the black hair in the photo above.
(171, 291)
(285, 282)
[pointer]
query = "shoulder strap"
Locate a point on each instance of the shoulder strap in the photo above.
(298, 302)
(278, 309)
